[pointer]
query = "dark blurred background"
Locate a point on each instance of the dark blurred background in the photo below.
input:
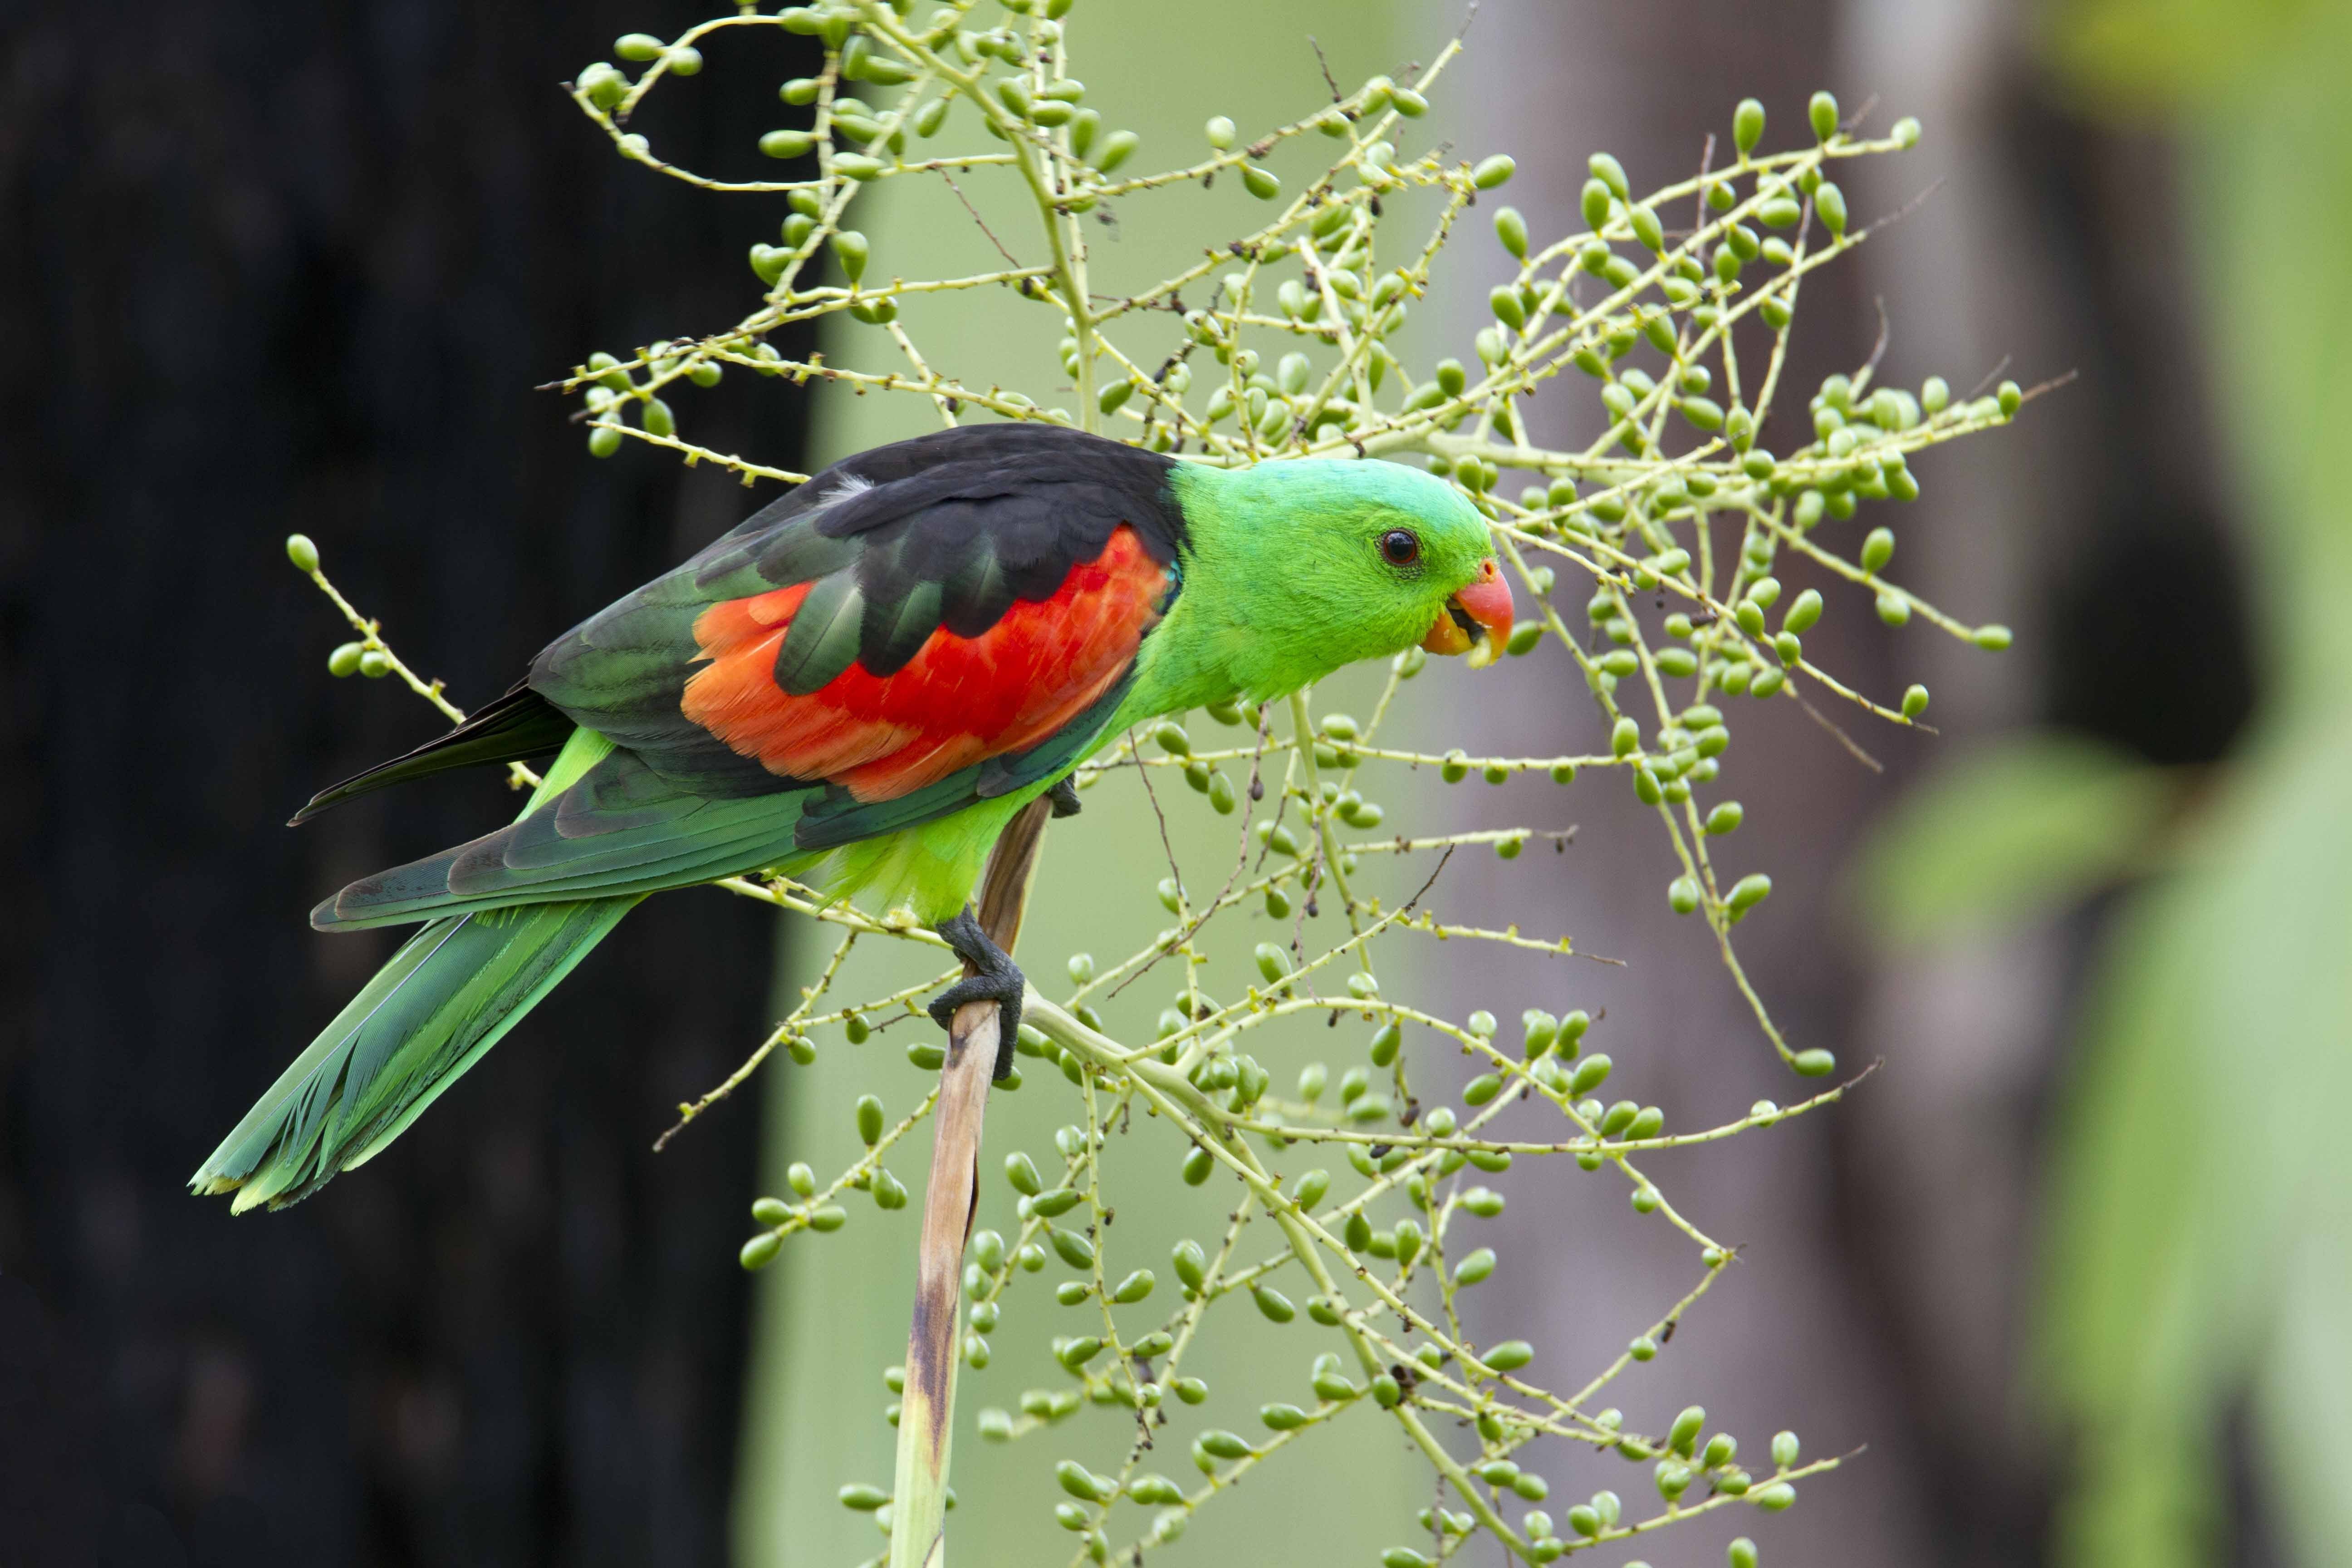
(270, 269)
(274, 269)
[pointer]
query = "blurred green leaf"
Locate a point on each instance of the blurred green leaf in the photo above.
(2204, 1187)
(2137, 59)
(2200, 1254)
(2028, 825)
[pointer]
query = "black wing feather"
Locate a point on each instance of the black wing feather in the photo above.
(518, 726)
(947, 529)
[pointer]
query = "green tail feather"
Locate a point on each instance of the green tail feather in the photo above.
(447, 996)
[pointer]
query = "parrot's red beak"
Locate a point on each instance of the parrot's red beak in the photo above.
(1478, 620)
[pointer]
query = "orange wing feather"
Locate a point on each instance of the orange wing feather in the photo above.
(958, 701)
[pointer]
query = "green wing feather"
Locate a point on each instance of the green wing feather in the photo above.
(614, 828)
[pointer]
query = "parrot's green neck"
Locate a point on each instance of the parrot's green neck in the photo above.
(1241, 625)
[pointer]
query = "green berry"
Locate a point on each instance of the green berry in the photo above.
(1822, 111)
(1829, 201)
(850, 248)
(302, 553)
(602, 86)
(1747, 125)
(1595, 203)
(1116, 148)
(1511, 229)
(1510, 1355)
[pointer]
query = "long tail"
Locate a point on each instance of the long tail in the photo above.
(447, 996)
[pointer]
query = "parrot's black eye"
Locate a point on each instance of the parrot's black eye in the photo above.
(1400, 546)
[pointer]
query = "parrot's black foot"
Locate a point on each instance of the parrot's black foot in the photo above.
(998, 981)
(1065, 797)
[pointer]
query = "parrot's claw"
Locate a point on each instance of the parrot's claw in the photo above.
(999, 981)
(1065, 797)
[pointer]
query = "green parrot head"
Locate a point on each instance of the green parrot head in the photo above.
(1302, 567)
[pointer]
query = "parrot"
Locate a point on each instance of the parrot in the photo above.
(857, 688)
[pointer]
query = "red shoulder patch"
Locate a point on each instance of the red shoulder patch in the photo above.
(958, 701)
